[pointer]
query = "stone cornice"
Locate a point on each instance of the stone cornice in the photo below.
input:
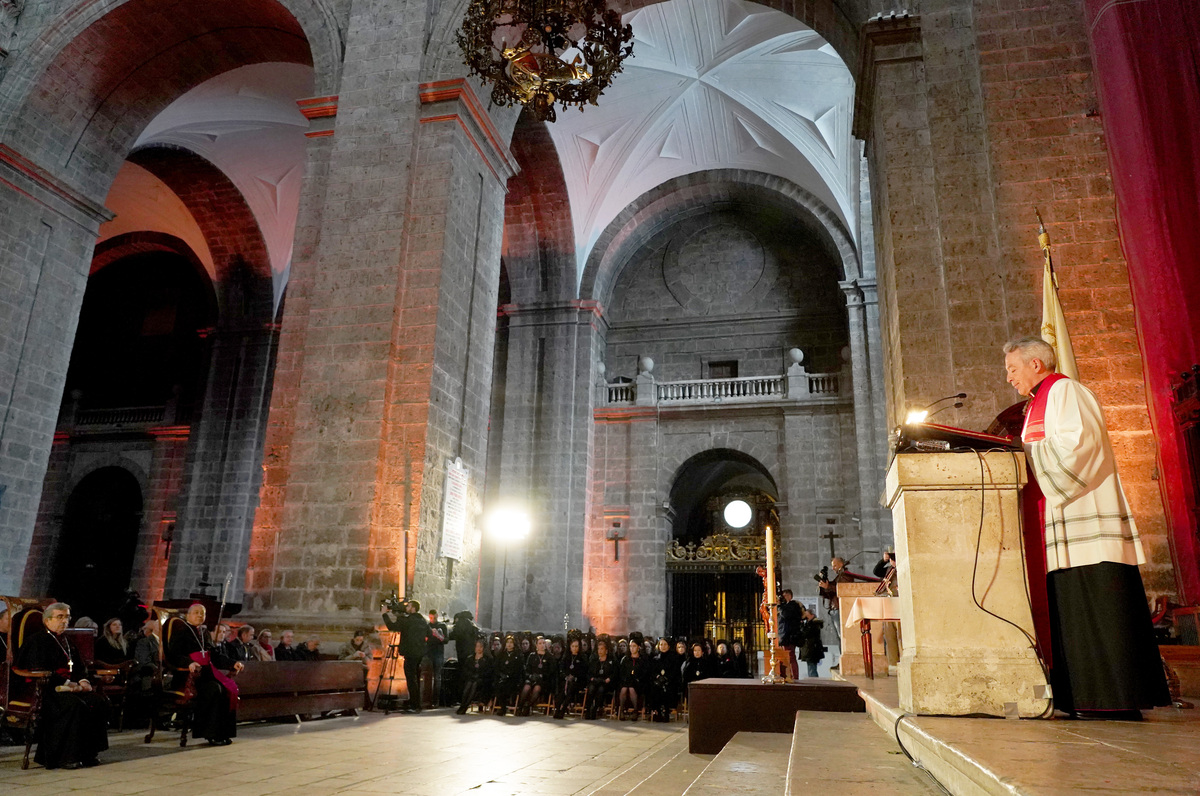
(455, 100)
(320, 112)
(31, 180)
(899, 39)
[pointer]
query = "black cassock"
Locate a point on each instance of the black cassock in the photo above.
(212, 716)
(73, 726)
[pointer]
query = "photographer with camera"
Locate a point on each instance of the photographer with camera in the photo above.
(404, 617)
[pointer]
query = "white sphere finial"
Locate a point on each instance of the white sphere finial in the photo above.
(645, 365)
(797, 356)
(601, 368)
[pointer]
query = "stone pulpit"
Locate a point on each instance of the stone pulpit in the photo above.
(957, 520)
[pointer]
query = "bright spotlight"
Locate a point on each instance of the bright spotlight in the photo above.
(916, 417)
(738, 513)
(508, 524)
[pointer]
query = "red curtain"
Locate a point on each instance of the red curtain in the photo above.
(1147, 59)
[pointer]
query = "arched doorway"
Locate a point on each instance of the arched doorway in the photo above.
(98, 541)
(712, 588)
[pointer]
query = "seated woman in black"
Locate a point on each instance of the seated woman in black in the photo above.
(633, 670)
(662, 689)
(214, 708)
(573, 677)
(541, 672)
(726, 665)
(477, 673)
(697, 667)
(510, 675)
(73, 726)
(602, 678)
(112, 647)
(741, 660)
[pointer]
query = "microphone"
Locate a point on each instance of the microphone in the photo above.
(919, 415)
(955, 405)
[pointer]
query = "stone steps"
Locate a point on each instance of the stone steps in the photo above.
(844, 753)
(750, 763)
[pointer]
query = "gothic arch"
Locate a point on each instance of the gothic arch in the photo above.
(699, 192)
(78, 96)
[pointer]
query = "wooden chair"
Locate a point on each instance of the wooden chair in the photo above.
(171, 706)
(23, 689)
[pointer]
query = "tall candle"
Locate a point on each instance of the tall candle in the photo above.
(771, 574)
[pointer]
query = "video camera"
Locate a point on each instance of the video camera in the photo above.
(392, 602)
(823, 575)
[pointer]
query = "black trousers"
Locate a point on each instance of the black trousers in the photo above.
(412, 677)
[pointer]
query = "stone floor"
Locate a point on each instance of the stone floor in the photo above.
(435, 753)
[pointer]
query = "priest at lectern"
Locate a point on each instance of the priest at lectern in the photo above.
(1105, 661)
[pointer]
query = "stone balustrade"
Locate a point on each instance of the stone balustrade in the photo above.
(796, 385)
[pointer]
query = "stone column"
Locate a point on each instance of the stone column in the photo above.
(957, 658)
(46, 239)
(867, 448)
(397, 349)
(545, 463)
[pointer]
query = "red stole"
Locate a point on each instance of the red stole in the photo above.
(1035, 415)
(1033, 509)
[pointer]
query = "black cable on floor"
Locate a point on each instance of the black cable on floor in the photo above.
(913, 760)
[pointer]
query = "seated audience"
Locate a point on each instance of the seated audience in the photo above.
(510, 675)
(662, 692)
(541, 672)
(573, 677)
(632, 681)
(741, 660)
(310, 650)
(477, 671)
(241, 646)
(284, 650)
(74, 718)
(697, 667)
(262, 649)
(85, 622)
(112, 647)
(726, 666)
(602, 679)
(357, 648)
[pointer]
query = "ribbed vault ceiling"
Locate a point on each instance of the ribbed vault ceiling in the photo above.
(711, 84)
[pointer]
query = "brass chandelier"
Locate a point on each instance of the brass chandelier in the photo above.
(541, 52)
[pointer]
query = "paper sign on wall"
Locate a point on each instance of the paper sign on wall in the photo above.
(454, 510)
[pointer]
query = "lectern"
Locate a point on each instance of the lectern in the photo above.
(957, 520)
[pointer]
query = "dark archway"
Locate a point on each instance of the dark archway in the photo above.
(99, 538)
(139, 341)
(717, 598)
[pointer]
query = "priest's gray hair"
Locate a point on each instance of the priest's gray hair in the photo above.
(52, 607)
(1033, 348)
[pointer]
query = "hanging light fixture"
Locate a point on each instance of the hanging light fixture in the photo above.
(541, 52)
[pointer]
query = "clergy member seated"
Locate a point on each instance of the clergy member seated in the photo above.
(73, 727)
(112, 647)
(214, 708)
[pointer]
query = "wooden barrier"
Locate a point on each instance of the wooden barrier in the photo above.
(275, 689)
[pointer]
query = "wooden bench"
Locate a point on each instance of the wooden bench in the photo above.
(276, 689)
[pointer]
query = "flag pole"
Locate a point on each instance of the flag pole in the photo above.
(1054, 322)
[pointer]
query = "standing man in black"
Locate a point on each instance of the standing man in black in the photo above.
(790, 620)
(414, 642)
(436, 654)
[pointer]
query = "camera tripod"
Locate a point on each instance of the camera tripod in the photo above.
(391, 661)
